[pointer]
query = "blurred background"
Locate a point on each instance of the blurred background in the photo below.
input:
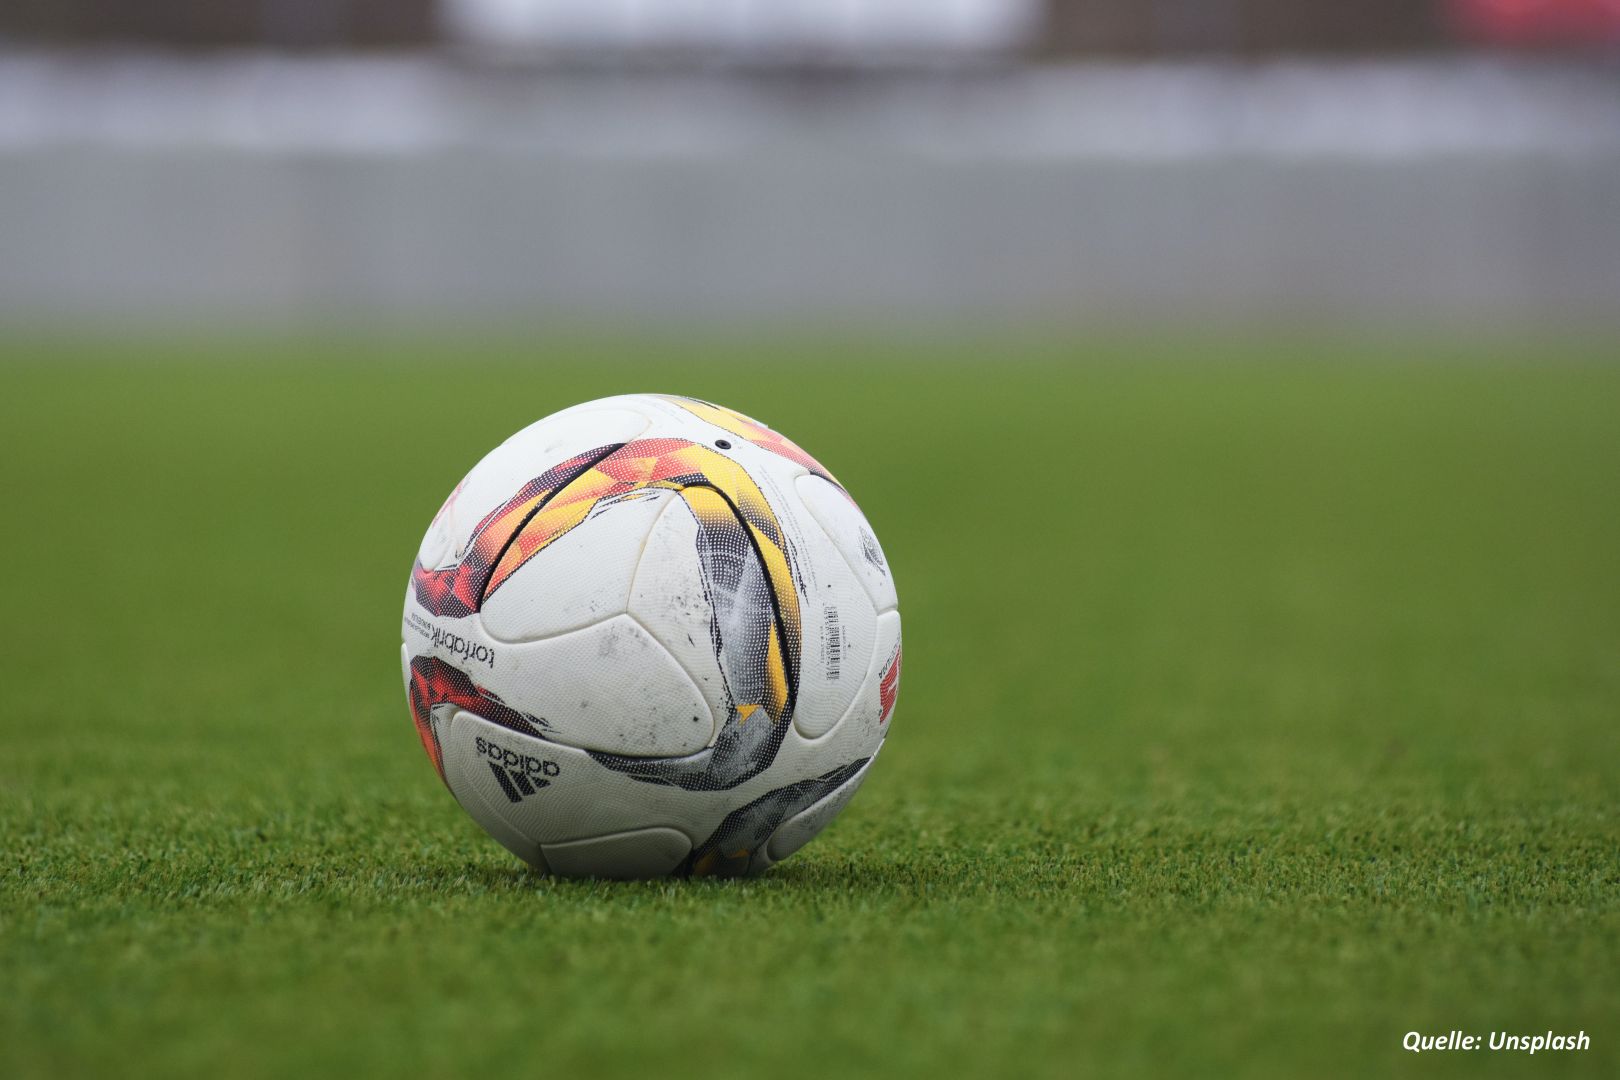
(1232, 383)
(907, 162)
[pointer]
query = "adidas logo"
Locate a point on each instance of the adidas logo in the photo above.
(519, 775)
(516, 784)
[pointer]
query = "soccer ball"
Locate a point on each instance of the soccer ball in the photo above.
(648, 635)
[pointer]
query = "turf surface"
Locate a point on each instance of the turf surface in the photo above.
(1258, 709)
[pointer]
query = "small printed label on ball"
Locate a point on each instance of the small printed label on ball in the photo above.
(832, 642)
(450, 645)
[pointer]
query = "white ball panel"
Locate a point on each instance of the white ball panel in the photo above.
(608, 687)
(467, 775)
(837, 625)
(669, 599)
(582, 798)
(578, 579)
(848, 528)
(863, 726)
(802, 827)
(639, 854)
(859, 733)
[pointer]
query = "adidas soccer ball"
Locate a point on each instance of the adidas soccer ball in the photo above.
(648, 635)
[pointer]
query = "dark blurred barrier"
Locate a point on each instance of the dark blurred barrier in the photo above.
(1241, 27)
(1053, 28)
(209, 23)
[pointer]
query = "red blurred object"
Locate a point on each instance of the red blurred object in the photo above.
(1537, 22)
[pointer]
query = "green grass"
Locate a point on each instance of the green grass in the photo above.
(1258, 709)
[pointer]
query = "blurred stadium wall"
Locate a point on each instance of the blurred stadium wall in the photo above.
(903, 160)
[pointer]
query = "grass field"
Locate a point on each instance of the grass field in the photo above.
(1259, 707)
